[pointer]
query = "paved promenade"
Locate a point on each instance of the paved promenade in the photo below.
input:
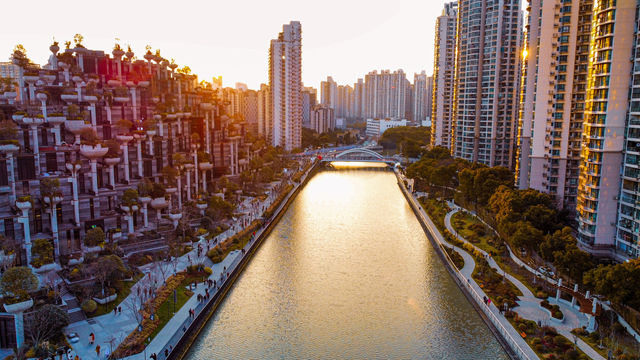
(529, 307)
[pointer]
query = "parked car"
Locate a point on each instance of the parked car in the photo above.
(73, 337)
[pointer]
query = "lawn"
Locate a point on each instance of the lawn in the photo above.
(123, 289)
(436, 211)
(494, 284)
(165, 311)
(476, 232)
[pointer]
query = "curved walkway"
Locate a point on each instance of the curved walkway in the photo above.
(529, 307)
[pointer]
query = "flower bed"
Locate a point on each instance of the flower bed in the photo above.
(134, 343)
(269, 212)
(553, 309)
(545, 341)
(236, 242)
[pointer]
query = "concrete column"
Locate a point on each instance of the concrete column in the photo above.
(588, 295)
(36, 147)
(558, 290)
(145, 215)
(180, 191)
(573, 298)
(112, 177)
(139, 150)
(595, 306)
(11, 173)
(94, 176)
(195, 169)
(125, 150)
(24, 220)
(189, 185)
(92, 110)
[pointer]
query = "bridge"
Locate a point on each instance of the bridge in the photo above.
(359, 154)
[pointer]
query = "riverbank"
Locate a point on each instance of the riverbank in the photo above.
(193, 328)
(513, 343)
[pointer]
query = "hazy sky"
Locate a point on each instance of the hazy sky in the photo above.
(342, 38)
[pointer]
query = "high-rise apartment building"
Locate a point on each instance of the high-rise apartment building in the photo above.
(264, 112)
(250, 111)
(487, 81)
(419, 98)
(323, 118)
(386, 95)
(344, 101)
(443, 76)
(285, 82)
(358, 99)
(329, 92)
(308, 103)
(609, 174)
(553, 91)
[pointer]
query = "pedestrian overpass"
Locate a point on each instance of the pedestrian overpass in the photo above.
(358, 155)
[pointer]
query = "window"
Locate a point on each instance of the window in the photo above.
(9, 231)
(52, 162)
(4, 173)
(26, 167)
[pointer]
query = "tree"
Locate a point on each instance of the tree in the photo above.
(94, 237)
(107, 269)
(42, 252)
(17, 282)
(526, 235)
(219, 209)
(46, 324)
(620, 283)
(572, 261)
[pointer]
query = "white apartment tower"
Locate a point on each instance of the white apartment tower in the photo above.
(443, 76)
(285, 83)
(386, 94)
(487, 81)
(264, 112)
(419, 99)
(609, 175)
(329, 92)
(554, 76)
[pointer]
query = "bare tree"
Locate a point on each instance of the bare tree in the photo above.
(45, 323)
(161, 267)
(135, 304)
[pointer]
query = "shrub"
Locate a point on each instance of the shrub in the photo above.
(542, 295)
(540, 348)
(89, 306)
(17, 282)
(558, 315)
(536, 341)
(94, 237)
(208, 270)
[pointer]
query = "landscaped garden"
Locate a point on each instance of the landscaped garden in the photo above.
(545, 340)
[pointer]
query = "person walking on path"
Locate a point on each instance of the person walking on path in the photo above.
(92, 338)
(98, 350)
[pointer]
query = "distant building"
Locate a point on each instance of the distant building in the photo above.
(250, 111)
(308, 103)
(387, 95)
(329, 92)
(264, 111)
(323, 119)
(285, 82)
(377, 127)
(216, 83)
(419, 97)
(241, 86)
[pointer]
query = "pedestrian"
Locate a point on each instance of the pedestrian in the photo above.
(166, 353)
(170, 348)
(115, 311)
(92, 338)
(119, 309)
(98, 350)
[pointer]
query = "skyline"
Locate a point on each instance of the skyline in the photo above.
(376, 38)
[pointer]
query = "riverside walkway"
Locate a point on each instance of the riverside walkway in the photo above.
(528, 305)
(110, 329)
(509, 334)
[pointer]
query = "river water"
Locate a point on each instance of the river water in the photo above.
(347, 274)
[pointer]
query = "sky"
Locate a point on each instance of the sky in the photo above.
(344, 39)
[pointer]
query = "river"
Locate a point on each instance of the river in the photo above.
(347, 273)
